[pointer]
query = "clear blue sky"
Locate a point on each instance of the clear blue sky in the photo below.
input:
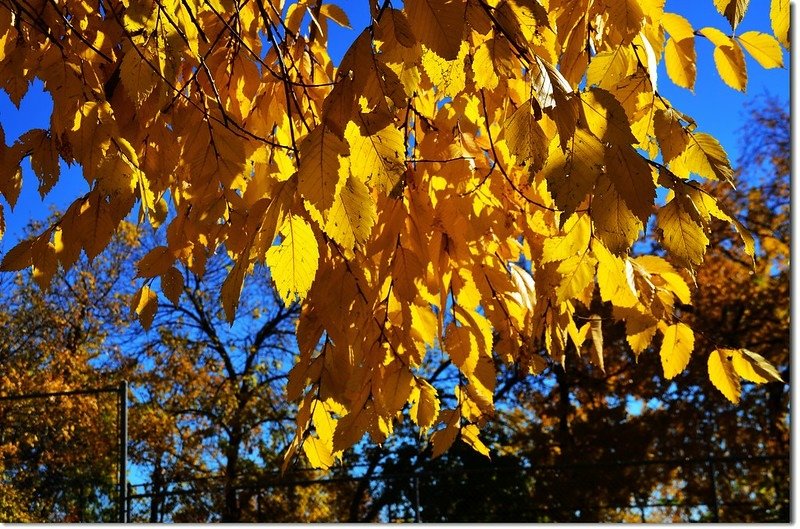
(716, 108)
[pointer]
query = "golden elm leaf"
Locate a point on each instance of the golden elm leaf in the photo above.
(319, 179)
(443, 439)
(605, 117)
(44, 158)
(733, 10)
(764, 48)
(438, 24)
(672, 138)
(779, 19)
(596, 326)
(352, 427)
(577, 273)
(137, 75)
(324, 424)
(462, 347)
(155, 262)
(682, 237)
(632, 179)
(722, 374)
(144, 304)
(680, 58)
(10, 171)
(376, 159)
(677, 26)
(352, 215)
(577, 233)
(525, 138)
(628, 18)
(483, 68)
(232, 288)
(614, 223)
(754, 367)
(392, 389)
(318, 455)
(335, 13)
(612, 278)
(571, 174)
(469, 434)
(293, 263)
(676, 348)
(172, 284)
(448, 75)
(608, 68)
(425, 409)
(703, 156)
(731, 66)
(728, 57)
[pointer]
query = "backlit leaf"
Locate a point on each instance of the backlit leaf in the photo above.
(293, 263)
(676, 348)
(722, 374)
(764, 48)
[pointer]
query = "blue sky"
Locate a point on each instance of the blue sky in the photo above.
(716, 108)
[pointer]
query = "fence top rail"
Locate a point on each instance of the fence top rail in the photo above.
(42, 395)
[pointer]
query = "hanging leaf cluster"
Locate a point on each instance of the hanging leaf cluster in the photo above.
(468, 180)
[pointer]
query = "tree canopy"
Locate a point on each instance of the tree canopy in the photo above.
(468, 182)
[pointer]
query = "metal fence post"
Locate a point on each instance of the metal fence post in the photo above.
(123, 450)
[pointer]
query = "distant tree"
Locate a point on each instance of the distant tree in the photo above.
(58, 456)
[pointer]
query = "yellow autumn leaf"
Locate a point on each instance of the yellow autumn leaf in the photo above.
(462, 347)
(376, 159)
(596, 327)
(525, 138)
(352, 215)
(448, 75)
(138, 78)
(172, 284)
(614, 222)
(571, 174)
(439, 24)
(319, 456)
(577, 273)
(318, 176)
(680, 59)
(425, 409)
(483, 67)
(335, 13)
(754, 367)
(232, 289)
(293, 263)
(764, 48)
(672, 138)
(779, 19)
(443, 439)
(577, 233)
(728, 57)
(144, 304)
(722, 374)
(704, 156)
(677, 26)
(612, 278)
(608, 68)
(469, 434)
(676, 348)
(682, 237)
(155, 262)
(733, 10)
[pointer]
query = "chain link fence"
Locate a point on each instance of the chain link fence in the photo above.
(726, 489)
